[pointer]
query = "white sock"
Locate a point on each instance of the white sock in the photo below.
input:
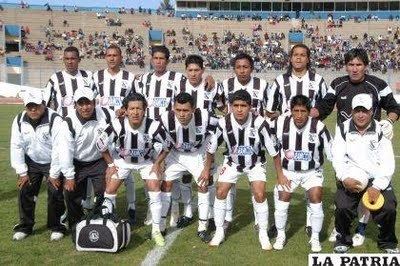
(130, 191)
(155, 208)
(175, 195)
(281, 210)
(253, 200)
(317, 218)
(230, 201)
(261, 210)
(219, 212)
(186, 199)
(211, 193)
(109, 202)
(308, 213)
(203, 205)
(166, 202)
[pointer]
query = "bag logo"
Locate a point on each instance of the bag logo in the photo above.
(93, 236)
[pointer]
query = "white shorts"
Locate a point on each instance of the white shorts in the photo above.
(178, 164)
(230, 174)
(125, 170)
(305, 179)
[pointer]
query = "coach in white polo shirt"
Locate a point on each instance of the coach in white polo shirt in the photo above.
(79, 158)
(360, 151)
(34, 137)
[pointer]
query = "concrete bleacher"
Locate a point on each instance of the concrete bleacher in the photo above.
(37, 20)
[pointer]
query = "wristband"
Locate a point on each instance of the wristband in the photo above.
(110, 165)
(390, 120)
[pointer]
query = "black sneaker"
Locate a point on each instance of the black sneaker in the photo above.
(164, 233)
(211, 225)
(308, 230)
(272, 231)
(184, 221)
(131, 216)
(227, 225)
(204, 236)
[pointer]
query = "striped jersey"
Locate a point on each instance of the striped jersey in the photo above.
(256, 87)
(302, 149)
(61, 88)
(246, 144)
(112, 89)
(203, 98)
(192, 137)
(159, 91)
(286, 86)
(134, 146)
(79, 137)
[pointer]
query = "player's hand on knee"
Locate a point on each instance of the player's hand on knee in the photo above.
(55, 182)
(69, 185)
(352, 185)
(373, 194)
(204, 178)
(23, 181)
(387, 128)
(284, 182)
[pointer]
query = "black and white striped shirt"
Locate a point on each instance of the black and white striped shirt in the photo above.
(61, 88)
(159, 91)
(246, 144)
(134, 146)
(286, 86)
(79, 138)
(302, 149)
(203, 98)
(192, 137)
(256, 87)
(112, 89)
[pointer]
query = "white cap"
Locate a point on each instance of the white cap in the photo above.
(83, 93)
(33, 96)
(363, 100)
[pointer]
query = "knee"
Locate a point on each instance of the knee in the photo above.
(221, 193)
(166, 186)
(259, 196)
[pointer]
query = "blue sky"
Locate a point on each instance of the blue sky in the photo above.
(98, 3)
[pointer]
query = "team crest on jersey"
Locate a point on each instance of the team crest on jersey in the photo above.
(170, 84)
(207, 95)
(199, 130)
(124, 85)
(45, 137)
(146, 138)
(255, 93)
(311, 85)
(373, 145)
(252, 132)
(67, 101)
(86, 83)
(312, 137)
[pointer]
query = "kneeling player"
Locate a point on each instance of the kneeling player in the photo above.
(188, 130)
(134, 137)
(247, 136)
(301, 140)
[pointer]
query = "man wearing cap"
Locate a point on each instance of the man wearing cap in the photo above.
(34, 138)
(79, 158)
(361, 151)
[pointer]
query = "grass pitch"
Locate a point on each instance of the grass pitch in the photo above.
(241, 246)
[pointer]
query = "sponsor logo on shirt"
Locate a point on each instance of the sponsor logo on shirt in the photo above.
(298, 155)
(131, 152)
(111, 101)
(185, 146)
(160, 102)
(243, 150)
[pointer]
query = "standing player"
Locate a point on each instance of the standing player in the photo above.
(133, 137)
(243, 66)
(340, 94)
(298, 80)
(33, 153)
(188, 131)
(302, 140)
(204, 99)
(246, 136)
(113, 85)
(79, 158)
(360, 151)
(63, 84)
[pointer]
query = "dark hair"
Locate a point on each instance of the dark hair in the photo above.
(133, 97)
(240, 95)
(194, 59)
(240, 56)
(299, 45)
(300, 100)
(72, 49)
(183, 98)
(160, 49)
(114, 47)
(356, 53)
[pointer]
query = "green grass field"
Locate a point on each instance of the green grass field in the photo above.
(241, 246)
